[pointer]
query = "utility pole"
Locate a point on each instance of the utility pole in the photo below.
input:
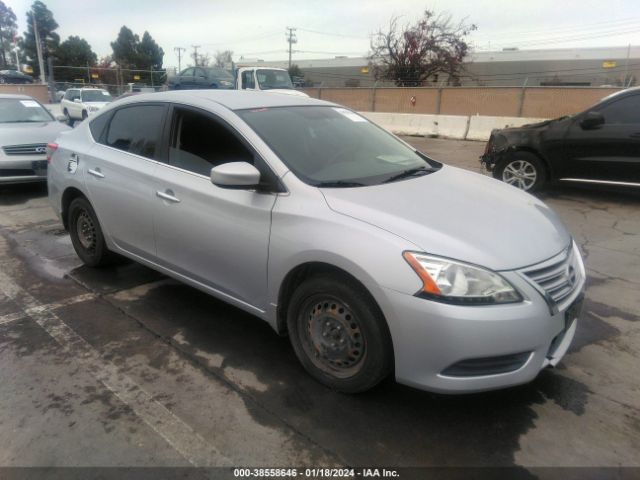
(39, 50)
(626, 68)
(179, 51)
(195, 53)
(15, 50)
(291, 38)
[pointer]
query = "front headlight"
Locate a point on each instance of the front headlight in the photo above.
(225, 83)
(460, 283)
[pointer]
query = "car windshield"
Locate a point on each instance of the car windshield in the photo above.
(22, 111)
(96, 96)
(269, 79)
(334, 147)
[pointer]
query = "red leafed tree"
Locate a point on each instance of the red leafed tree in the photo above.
(411, 55)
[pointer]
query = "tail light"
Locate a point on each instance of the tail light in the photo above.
(51, 149)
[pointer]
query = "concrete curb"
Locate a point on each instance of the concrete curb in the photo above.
(458, 127)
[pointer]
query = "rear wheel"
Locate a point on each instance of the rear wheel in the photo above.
(523, 170)
(85, 115)
(86, 235)
(338, 334)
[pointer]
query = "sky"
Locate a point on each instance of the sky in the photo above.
(328, 28)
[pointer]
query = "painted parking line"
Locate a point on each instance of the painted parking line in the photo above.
(12, 317)
(192, 446)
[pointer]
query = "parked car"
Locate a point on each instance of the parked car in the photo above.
(14, 76)
(599, 145)
(26, 127)
(274, 80)
(80, 103)
(201, 77)
(371, 256)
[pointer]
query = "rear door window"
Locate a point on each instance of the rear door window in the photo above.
(136, 129)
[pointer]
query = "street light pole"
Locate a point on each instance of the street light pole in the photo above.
(39, 50)
(179, 51)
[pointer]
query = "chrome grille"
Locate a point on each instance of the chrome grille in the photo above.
(559, 277)
(28, 149)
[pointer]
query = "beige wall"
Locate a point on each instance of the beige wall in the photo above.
(39, 92)
(535, 102)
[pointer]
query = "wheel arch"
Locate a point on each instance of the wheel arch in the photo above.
(68, 196)
(299, 274)
(533, 151)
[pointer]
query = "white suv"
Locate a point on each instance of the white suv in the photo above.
(79, 103)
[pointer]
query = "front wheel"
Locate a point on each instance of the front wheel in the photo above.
(523, 170)
(86, 235)
(338, 334)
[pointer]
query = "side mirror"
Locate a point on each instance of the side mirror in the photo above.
(235, 175)
(77, 100)
(61, 118)
(592, 120)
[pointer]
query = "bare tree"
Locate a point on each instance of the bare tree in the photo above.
(223, 58)
(410, 55)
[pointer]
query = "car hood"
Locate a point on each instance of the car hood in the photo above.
(25, 133)
(461, 215)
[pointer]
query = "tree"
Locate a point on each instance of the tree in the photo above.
(412, 54)
(125, 48)
(149, 53)
(8, 31)
(48, 37)
(297, 75)
(131, 53)
(74, 52)
(223, 58)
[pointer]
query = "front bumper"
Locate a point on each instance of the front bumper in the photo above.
(431, 338)
(19, 169)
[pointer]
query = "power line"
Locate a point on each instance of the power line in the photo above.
(331, 34)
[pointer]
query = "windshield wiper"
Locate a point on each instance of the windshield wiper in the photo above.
(339, 183)
(408, 173)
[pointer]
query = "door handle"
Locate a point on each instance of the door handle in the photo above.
(96, 173)
(168, 196)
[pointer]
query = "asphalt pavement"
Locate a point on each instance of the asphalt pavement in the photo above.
(125, 367)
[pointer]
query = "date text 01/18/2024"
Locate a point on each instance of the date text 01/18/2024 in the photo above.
(315, 473)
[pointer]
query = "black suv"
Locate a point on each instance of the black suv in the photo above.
(201, 77)
(599, 145)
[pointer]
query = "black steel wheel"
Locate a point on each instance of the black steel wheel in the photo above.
(339, 333)
(86, 235)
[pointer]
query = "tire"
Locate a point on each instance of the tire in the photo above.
(339, 334)
(70, 120)
(86, 235)
(523, 170)
(85, 115)
(214, 86)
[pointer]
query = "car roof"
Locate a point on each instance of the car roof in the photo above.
(620, 93)
(231, 99)
(15, 96)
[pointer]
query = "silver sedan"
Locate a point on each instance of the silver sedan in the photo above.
(26, 127)
(373, 258)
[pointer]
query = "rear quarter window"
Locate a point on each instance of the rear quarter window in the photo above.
(98, 125)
